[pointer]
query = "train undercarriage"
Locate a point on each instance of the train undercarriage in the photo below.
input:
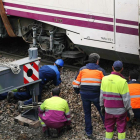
(51, 41)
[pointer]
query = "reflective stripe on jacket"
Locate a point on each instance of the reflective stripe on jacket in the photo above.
(114, 92)
(54, 109)
(89, 78)
(134, 89)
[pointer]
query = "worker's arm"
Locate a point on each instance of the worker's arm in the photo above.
(103, 71)
(76, 83)
(126, 96)
(102, 102)
(57, 80)
(101, 96)
(67, 113)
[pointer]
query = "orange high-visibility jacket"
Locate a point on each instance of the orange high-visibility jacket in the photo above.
(89, 78)
(134, 89)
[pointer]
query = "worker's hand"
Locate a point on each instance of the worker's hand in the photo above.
(131, 114)
(103, 110)
(45, 87)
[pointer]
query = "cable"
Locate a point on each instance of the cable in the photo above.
(14, 67)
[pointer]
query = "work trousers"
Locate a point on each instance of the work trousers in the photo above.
(55, 125)
(26, 95)
(3, 96)
(110, 121)
(87, 110)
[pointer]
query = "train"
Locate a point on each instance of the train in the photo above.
(75, 28)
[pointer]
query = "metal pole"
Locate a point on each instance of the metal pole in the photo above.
(34, 37)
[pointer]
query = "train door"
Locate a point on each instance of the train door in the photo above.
(127, 26)
(101, 21)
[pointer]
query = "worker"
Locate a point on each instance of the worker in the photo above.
(115, 102)
(54, 113)
(87, 83)
(134, 90)
(46, 74)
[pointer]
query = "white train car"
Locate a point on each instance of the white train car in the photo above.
(108, 27)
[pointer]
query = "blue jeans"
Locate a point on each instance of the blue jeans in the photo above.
(26, 95)
(87, 110)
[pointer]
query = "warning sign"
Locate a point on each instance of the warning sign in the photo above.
(31, 72)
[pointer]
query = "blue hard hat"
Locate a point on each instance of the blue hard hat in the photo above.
(59, 62)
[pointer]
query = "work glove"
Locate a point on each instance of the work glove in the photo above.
(45, 87)
(131, 114)
(103, 110)
(77, 90)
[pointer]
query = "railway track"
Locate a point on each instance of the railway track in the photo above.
(43, 61)
(127, 67)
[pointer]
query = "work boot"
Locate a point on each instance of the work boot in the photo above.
(20, 103)
(60, 131)
(89, 136)
(47, 133)
(10, 96)
(54, 133)
(68, 127)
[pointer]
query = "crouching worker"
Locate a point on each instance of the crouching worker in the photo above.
(134, 90)
(47, 73)
(54, 113)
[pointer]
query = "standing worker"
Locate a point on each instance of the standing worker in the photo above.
(134, 89)
(89, 78)
(115, 101)
(54, 113)
(46, 73)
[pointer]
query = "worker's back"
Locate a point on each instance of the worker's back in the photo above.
(55, 109)
(48, 73)
(113, 88)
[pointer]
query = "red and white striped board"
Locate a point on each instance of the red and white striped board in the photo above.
(31, 72)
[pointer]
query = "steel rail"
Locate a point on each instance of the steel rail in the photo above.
(46, 62)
